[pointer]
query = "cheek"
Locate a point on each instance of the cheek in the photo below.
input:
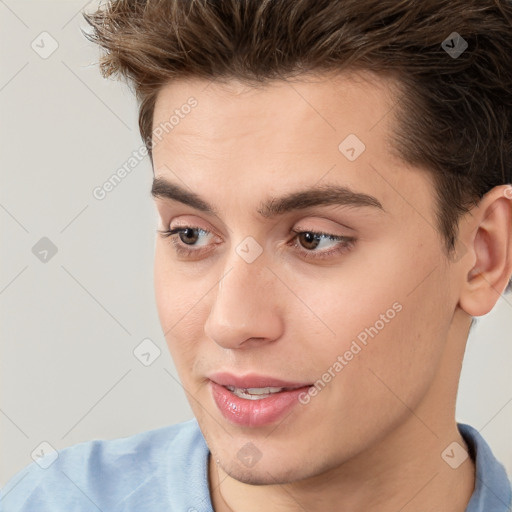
(164, 281)
(401, 358)
(178, 303)
(381, 316)
(176, 293)
(344, 305)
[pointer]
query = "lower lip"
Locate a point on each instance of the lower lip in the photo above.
(254, 413)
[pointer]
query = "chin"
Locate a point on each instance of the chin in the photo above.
(270, 472)
(261, 476)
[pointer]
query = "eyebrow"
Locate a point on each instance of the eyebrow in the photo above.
(323, 195)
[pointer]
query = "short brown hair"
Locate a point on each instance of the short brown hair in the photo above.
(454, 118)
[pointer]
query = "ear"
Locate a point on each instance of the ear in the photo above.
(487, 263)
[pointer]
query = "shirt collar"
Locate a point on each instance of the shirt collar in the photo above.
(492, 491)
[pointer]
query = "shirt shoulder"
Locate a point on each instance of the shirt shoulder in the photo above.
(493, 491)
(107, 474)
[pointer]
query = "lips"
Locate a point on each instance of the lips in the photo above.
(254, 400)
(254, 381)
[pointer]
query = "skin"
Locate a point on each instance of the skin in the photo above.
(373, 437)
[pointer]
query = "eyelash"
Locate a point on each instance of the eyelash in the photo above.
(346, 243)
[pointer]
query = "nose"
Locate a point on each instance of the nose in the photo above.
(245, 311)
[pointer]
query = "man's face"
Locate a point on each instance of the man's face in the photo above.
(364, 316)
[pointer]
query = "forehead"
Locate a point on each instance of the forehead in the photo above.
(313, 103)
(267, 140)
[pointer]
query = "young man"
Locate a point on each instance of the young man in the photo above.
(332, 180)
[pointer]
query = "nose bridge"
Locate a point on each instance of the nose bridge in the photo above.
(243, 305)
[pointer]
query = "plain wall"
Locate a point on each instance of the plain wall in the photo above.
(69, 325)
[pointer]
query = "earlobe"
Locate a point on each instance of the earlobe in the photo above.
(490, 243)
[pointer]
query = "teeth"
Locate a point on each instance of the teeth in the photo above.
(263, 391)
(254, 393)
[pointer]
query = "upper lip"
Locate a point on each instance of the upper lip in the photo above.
(253, 380)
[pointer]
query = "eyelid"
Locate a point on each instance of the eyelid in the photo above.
(170, 211)
(177, 229)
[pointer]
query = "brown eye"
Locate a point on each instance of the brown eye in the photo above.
(188, 235)
(185, 240)
(311, 240)
(307, 242)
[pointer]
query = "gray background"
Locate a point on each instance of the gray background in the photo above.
(69, 325)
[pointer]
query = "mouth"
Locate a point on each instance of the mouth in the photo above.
(254, 400)
(254, 381)
(258, 393)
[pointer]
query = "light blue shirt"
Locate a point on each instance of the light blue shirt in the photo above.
(166, 470)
